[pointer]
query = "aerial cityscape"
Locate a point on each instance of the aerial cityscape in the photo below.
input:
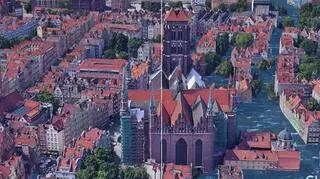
(159, 89)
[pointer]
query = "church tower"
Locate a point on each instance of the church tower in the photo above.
(176, 42)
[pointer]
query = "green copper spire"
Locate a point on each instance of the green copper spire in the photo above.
(210, 104)
(124, 97)
(128, 68)
(124, 91)
(152, 104)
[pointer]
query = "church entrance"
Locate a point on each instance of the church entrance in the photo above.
(181, 152)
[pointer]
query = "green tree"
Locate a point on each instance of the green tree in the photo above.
(88, 173)
(309, 46)
(4, 43)
(315, 23)
(304, 75)
(102, 163)
(50, 24)
(223, 43)
(109, 54)
(271, 94)
(122, 43)
(298, 41)
(177, 4)
(112, 40)
(312, 104)
(225, 68)
(309, 68)
(244, 40)
(151, 6)
(45, 97)
(51, 11)
(306, 13)
(28, 6)
(222, 7)
(288, 21)
(133, 46)
(208, 4)
(263, 65)
(212, 60)
(63, 3)
(272, 61)
(256, 86)
(233, 38)
(315, 11)
(308, 7)
(123, 55)
(135, 173)
(240, 6)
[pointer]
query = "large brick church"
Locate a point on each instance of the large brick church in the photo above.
(197, 125)
(180, 125)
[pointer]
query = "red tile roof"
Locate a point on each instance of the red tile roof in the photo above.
(255, 140)
(26, 140)
(208, 40)
(286, 68)
(125, 27)
(286, 40)
(101, 65)
(88, 139)
(139, 70)
(295, 30)
(31, 104)
(221, 95)
(251, 155)
(172, 171)
(177, 16)
(289, 160)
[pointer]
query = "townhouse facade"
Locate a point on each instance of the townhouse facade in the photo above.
(12, 28)
(304, 121)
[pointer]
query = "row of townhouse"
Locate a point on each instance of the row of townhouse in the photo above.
(24, 64)
(13, 28)
(73, 119)
(294, 93)
(73, 156)
(148, 21)
(305, 121)
(69, 31)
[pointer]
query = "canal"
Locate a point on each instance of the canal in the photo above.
(265, 115)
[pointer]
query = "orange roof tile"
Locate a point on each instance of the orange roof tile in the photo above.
(26, 140)
(289, 160)
(250, 140)
(172, 171)
(176, 16)
(30, 104)
(139, 70)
